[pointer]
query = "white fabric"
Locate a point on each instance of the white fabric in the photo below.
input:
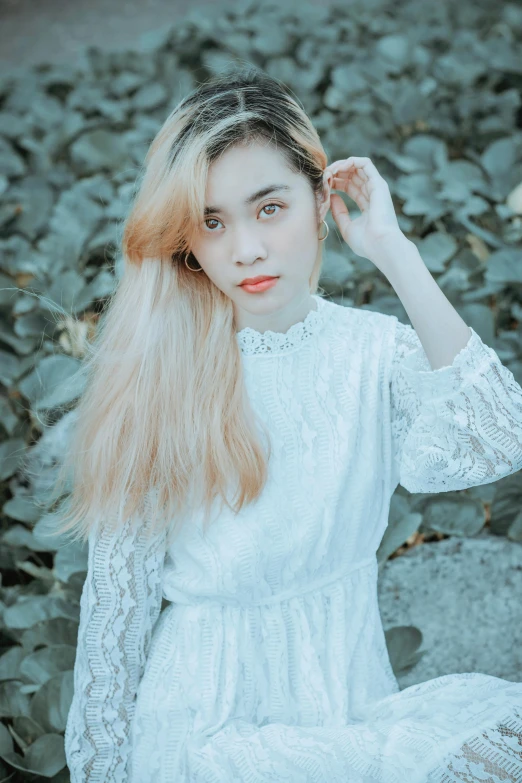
(270, 662)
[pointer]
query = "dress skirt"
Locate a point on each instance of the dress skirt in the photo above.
(207, 711)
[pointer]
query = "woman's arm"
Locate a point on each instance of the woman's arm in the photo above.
(455, 427)
(120, 603)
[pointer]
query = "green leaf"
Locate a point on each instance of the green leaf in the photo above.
(23, 508)
(13, 701)
(514, 532)
(11, 453)
(45, 756)
(10, 663)
(70, 559)
(458, 516)
(50, 705)
(41, 665)
(403, 642)
(31, 609)
(54, 382)
(57, 630)
(397, 533)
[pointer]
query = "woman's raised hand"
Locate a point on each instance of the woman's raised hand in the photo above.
(359, 179)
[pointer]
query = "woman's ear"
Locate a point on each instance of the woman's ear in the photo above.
(327, 189)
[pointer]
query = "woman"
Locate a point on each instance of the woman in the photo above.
(269, 662)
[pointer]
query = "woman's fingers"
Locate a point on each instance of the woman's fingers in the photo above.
(354, 179)
(357, 177)
(351, 173)
(363, 167)
(351, 186)
(349, 164)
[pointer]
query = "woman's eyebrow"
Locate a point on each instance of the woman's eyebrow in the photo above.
(251, 199)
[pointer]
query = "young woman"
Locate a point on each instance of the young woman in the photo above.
(241, 444)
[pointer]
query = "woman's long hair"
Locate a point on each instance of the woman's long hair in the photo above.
(164, 411)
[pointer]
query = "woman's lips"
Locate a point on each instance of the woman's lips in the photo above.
(254, 288)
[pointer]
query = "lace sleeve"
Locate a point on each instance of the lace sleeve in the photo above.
(120, 603)
(456, 427)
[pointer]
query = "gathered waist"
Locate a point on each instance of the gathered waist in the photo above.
(178, 596)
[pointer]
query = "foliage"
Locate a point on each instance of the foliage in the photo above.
(430, 92)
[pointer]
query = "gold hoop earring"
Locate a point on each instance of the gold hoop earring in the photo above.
(191, 268)
(321, 239)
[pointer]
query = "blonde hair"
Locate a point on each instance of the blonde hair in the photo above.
(164, 411)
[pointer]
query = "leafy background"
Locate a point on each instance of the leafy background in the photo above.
(431, 92)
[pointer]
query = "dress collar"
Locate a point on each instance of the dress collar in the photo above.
(250, 341)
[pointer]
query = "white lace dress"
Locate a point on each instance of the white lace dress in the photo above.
(270, 662)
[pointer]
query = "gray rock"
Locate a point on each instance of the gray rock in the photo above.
(464, 595)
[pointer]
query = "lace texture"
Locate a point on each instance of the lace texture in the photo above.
(494, 754)
(456, 427)
(252, 342)
(120, 603)
(269, 662)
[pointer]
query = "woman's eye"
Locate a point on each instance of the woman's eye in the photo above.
(271, 205)
(215, 220)
(208, 219)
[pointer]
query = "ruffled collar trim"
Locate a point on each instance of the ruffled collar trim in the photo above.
(251, 342)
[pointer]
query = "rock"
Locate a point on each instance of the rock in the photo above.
(464, 595)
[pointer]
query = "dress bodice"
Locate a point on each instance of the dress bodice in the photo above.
(252, 342)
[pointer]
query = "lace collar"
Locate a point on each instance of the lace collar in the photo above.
(250, 341)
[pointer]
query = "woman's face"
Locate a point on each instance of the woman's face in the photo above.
(246, 234)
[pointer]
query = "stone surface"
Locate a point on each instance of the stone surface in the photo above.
(54, 31)
(465, 596)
